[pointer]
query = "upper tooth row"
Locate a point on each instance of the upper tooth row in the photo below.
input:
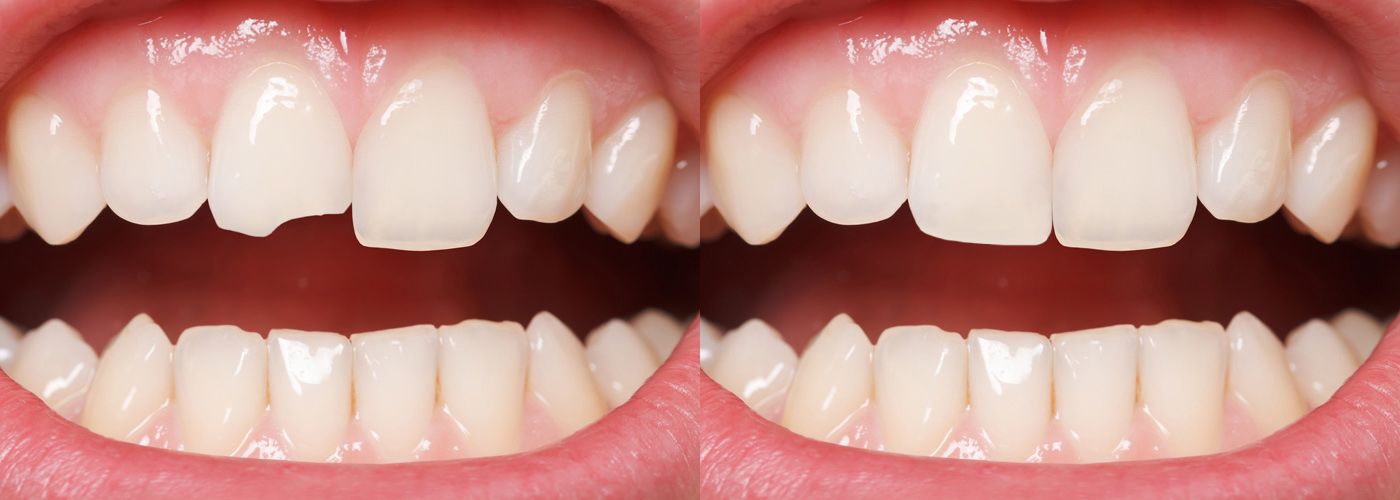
(221, 380)
(922, 382)
(1124, 173)
(427, 168)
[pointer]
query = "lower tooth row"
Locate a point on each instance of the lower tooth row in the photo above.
(477, 388)
(1177, 388)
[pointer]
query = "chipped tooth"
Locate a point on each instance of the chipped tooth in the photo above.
(1329, 169)
(482, 367)
(619, 359)
(980, 171)
(220, 387)
(544, 157)
(395, 385)
(1360, 330)
(1181, 379)
(660, 331)
(1009, 388)
(680, 206)
(754, 363)
(134, 379)
(752, 171)
(1095, 378)
(308, 386)
(1121, 190)
(53, 170)
(559, 377)
(9, 344)
(855, 169)
(920, 387)
(54, 363)
(709, 344)
(834, 380)
(1258, 375)
(1320, 361)
(1380, 204)
(1243, 158)
(155, 167)
(279, 152)
(629, 169)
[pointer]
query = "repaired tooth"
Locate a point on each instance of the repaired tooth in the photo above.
(559, 377)
(752, 171)
(279, 152)
(660, 331)
(1360, 330)
(620, 361)
(980, 171)
(755, 364)
(544, 156)
(482, 367)
(1181, 383)
(1330, 167)
(1243, 158)
(308, 385)
(9, 344)
(1095, 378)
(53, 170)
(155, 168)
(833, 381)
(220, 387)
(134, 379)
(1258, 376)
(709, 344)
(920, 386)
(55, 364)
(855, 169)
(1380, 204)
(1319, 359)
(680, 206)
(395, 380)
(1009, 379)
(629, 169)
(1121, 182)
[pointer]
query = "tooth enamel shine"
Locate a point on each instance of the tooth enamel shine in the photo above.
(753, 170)
(309, 385)
(53, 169)
(544, 156)
(833, 381)
(1243, 157)
(134, 379)
(855, 168)
(630, 168)
(155, 167)
(1330, 168)
(1009, 384)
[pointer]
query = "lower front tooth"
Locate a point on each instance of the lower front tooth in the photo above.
(482, 368)
(1095, 378)
(630, 167)
(1258, 376)
(133, 381)
(660, 331)
(1182, 367)
(620, 361)
(395, 380)
(1330, 168)
(155, 168)
(1009, 379)
(1319, 359)
(1360, 330)
(544, 157)
(220, 387)
(855, 169)
(833, 381)
(55, 364)
(53, 170)
(755, 364)
(920, 387)
(309, 389)
(559, 377)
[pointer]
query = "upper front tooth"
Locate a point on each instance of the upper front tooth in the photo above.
(1009, 387)
(559, 377)
(855, 169)
(1243, 157)
(920, 387)
(660, 331)
(980, 171)
(1360, 330)
(544, 157)
(9, 344)
(395, 380)
(680, 209)
(1330, 168)
(630, 168)
(220, 387)
(620, 361)
(55, 364)
(155, 168)
(1258, 376)
(755, 364)
(1122, 182)
(1320, 360)
(752, 171)
(1182, 367)
(309, 389)
(279, 152)
(833, 381)
(1380, 205)
(482, 368)
(53, 170)
(133, 381)
(1096, 388)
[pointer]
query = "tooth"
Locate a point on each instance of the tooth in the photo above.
(55, 364)
(482, 368)
(752, 171)
(660, 331)
(1360, 330)
(1095, 377)
(220, 387)
(395, 380)
(544, 156)
(920, 387)
(1319, 359)
(9, 344)
(620, 361)
(833, 381)
(279, 152)
(155, 168)
(1380, 204)
(6, 201)
(755, 364)
(53, 169)
(855, 169)
(981, 162)
(680, 206)
(1009, 388)
(1122, 182)
(134, 379)
(559, 377)
(1181, 383)
(308, 387)
(1330, 167)
(1258, 375)
(709, 344)
(1243, 157)
(629, 169)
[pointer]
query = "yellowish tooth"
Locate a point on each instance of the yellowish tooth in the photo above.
(1244, 156)
(1360, 330)
(559, 377)
(9, 344)
(220, 387)
(1095, 377)
(660, 331)
(855, 168)
(309, 390)
(752, 170)
(134, 379)
(920, 387)
(1330, 167)
(1258, 376)
(1009, 384)
(155, 167)
(1319, 359)
(482, 368)
(1380, 204)
(544, 156)
(53, 169)
(834, 380)
(1181, 383)
(55, 364)
(395, 381)
(630, 167)
(620, 361)
(754, 363)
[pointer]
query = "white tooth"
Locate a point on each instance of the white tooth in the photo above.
(1360, 330)
(1095, 378)
(53, 170)
(834, 379)
(630, 167)
(1009, 377)
(981, 162)
(755, 364)
(1330, 167)
(1380, 204)
(855, 169)
(55, 364)
(279, 152)
(559, 377)
(9, 344)
(134, 379)
(620, 361)
(1243, 157)
(709, 344)
(680, 206)
(1258, 376)
(482, 368)
(544, 156)
(920, 387)
(308, 386)
(155, 168)
(1181, 383)
(220, 387)
(1122, 182)
(395, 380)
(6, 201)
(1319, 359)
(752, 171)
(660, 331)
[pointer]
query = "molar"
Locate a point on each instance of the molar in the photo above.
(53, 169)
(855, 168)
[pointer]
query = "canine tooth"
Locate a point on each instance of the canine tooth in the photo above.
(709, 344)
(1258, 375)
(54, 363)
(544, 156)
(855, 169)
(395, 380)
(155, 168)
(559, 377)
(1095, 378)
(1121, 182)
(220, 387)
(754, 363)
(629, 169)
(834, 379)
(920, 387)
(133, 380)
(308, 385)
(53, 170)
(660, 331)
(1380, 203)
(1243, 157)
(1330, 167)
(9, 344)
(482, 368)
(1360, 330)
(1319, 359)
(980, 171)
(619, 359)
(680, 206)
(279, 152)
(1181, 383)
(752, 171)
(1009, 379)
